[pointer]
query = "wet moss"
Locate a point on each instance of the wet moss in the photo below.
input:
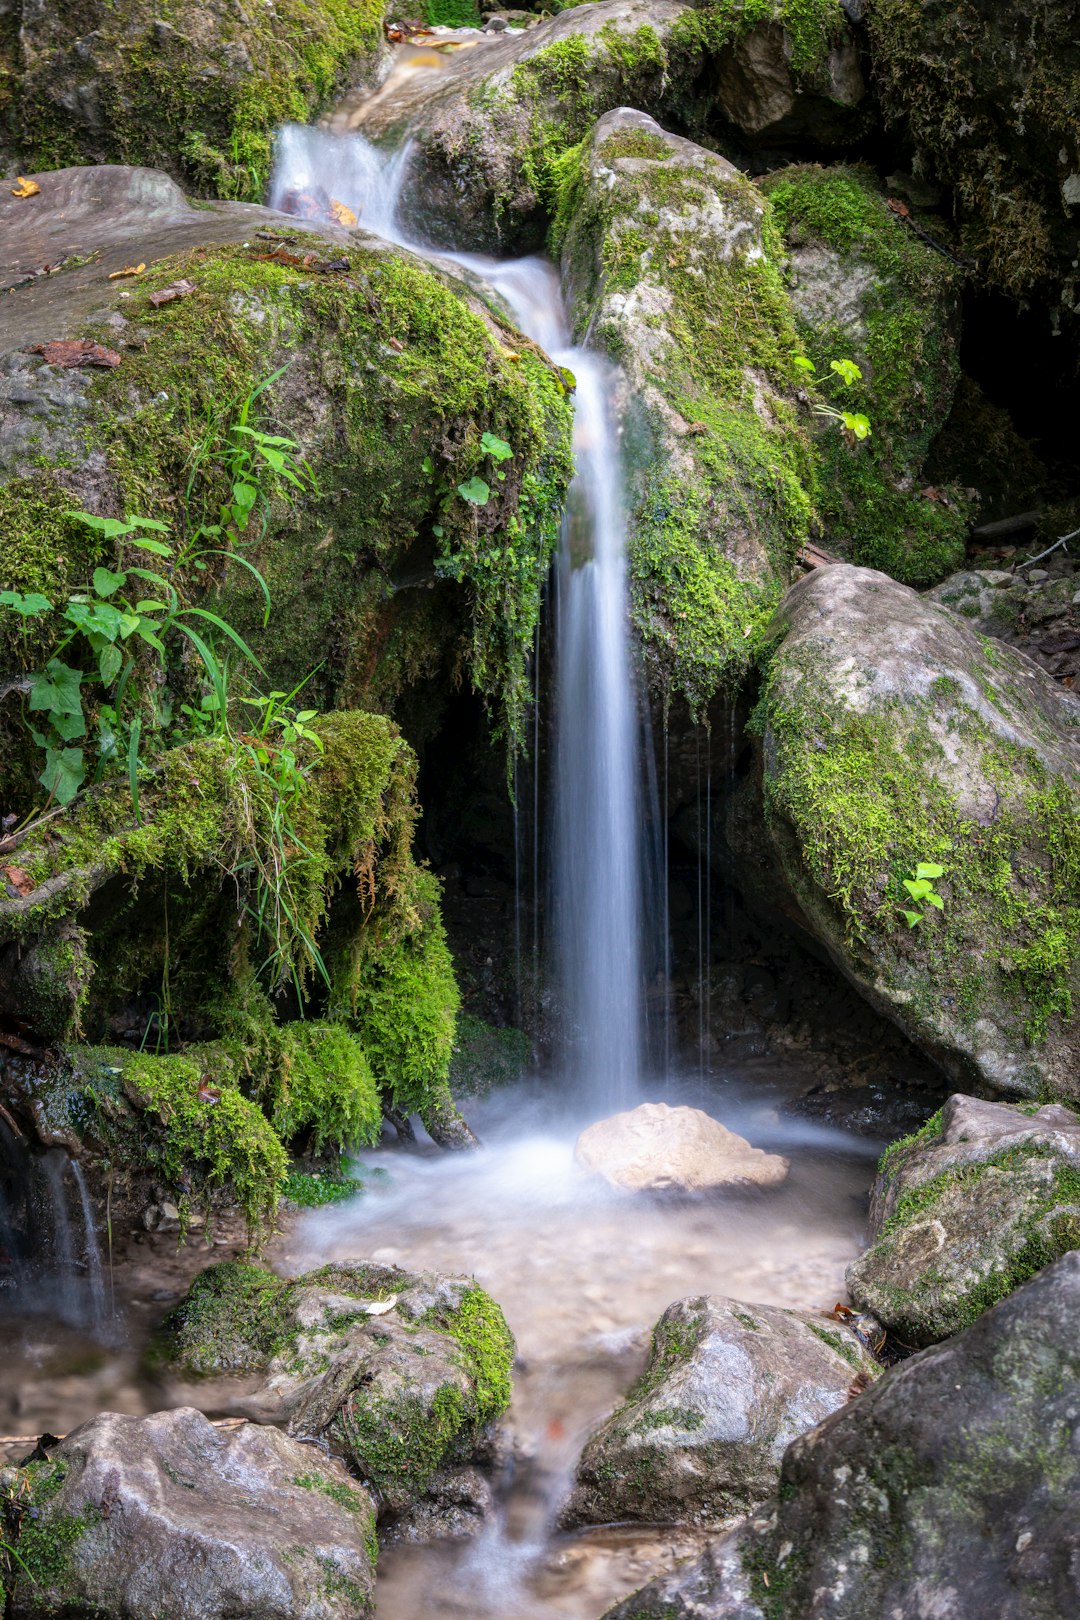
(232, 1320)
(478, 1327)
(486, 1057)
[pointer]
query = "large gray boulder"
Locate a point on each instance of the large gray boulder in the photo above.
(983, 1196)
(490, 132)
(164, 1517)
(891, 735)
(404, 1375)
(950, 1488)
(701, 1434)
(672, 268)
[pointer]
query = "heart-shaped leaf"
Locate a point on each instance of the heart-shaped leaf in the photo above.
(476, 492)
(106, 582)
(927, 869)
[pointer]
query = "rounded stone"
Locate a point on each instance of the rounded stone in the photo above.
(658, 1148)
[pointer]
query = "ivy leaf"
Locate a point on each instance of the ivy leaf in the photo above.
(64, 773)
(109, 664)
(106, 582)
(29, 605)
(58, 689)
(918, 888)
(913, 917)
(935, 900)
(496, 447)
(846, 369)
(476, 492)
(927, 869)
(856, 423)
(803, 363)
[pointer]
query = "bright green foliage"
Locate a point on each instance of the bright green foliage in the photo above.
(452, 14)
(211, 1137)
(486, 1056)
(920, 886)
(908, 297)
(185, 88)
(231, 1320)
(316, 1189)
(479, 1328)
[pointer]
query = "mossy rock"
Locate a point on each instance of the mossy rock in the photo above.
(964, 1211)
(488, 144)
(198, 90)
(701, 1434)
(891, 734)
(864, 287)
(952, 1479)
(486, 1057)
(672, 267)
(403, 1374)
(986, 94)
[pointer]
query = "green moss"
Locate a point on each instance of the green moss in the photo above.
(478, 1327)
(315, 1189)
(197, 93)
(232, 1320)
(836, 1341)
(452, 14)
(486, 1057)
(889, 1162)
(906, 346)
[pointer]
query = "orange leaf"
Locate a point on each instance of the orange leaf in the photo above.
(26, 188)
(128, 270)
(76, 352)
(340, 212)
(19, 879)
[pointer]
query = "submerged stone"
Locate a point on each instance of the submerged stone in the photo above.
(136, 1518)
(702, 1433)
(657, 1148)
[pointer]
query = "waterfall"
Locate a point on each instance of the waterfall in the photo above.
(597, 881)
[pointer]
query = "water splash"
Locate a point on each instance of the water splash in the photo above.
(314, 169)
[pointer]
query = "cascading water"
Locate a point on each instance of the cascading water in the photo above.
(596, 814)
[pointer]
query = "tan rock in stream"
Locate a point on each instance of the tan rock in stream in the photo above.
(657, 1148)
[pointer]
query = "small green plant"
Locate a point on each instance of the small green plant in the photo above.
(854, 423)
(920, 886)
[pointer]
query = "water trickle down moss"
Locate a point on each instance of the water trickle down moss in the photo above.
(907, 349)
(727, 372)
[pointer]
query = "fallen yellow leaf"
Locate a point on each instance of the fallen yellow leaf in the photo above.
(128, 270)
(340, 212)
(25, 188)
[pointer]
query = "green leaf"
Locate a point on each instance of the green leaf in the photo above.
(155, 547)
(935, 900)
(58, 689)
(803, 363)
(496, 447)
(476, 492)
(106, 582)
(427, 466)
(913, 917)
(133, 763)
(64, 773)
(30, 605)
(109, 664)
(846, 369)
(69, 726)
(856, 423)
(927, 869)
(918, 888)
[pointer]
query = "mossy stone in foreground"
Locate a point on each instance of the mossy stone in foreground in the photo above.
(966, 1210)
(403, 1374)
(892, 735)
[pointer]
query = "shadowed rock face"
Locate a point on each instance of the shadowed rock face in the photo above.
(131, 1516)
(962, 1213)
(952, 1486)
(892, 735)
(701, 1434)
(657, 1148)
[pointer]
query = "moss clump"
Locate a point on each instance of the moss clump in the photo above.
(905, 340)
(696, 312)
(315, 1189)
(478, 1327)
(38, 1542)
(198, 92)
(232, 1320)
(486, 1057)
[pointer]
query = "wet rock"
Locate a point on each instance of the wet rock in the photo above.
(701, 1435)
(657, 1148)
(892, 736)
(403, 1375)
(966, 1209)
(130, 1516)
(670, 268)
(457, 1505)
(949, 1487)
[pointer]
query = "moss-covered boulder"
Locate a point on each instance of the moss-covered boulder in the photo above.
(986, 94)
(403, 1375)
(891, 736)
(972, 1205)
(489, 137)
(701, 1434)
(864, 287)
(950, 1486)
(196, 89)
(672, 267)
(385, 373)
(131, 1515)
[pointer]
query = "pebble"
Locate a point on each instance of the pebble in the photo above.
(1037, 575)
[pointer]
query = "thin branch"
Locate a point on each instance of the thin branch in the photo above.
(1065, 538)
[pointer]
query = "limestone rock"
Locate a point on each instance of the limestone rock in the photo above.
(701, 1435)
(891, 735)
(671, 266)
(657, 1148)
(142, 1517)
(966, 1209)
(403, 1374)
(951, 1486)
